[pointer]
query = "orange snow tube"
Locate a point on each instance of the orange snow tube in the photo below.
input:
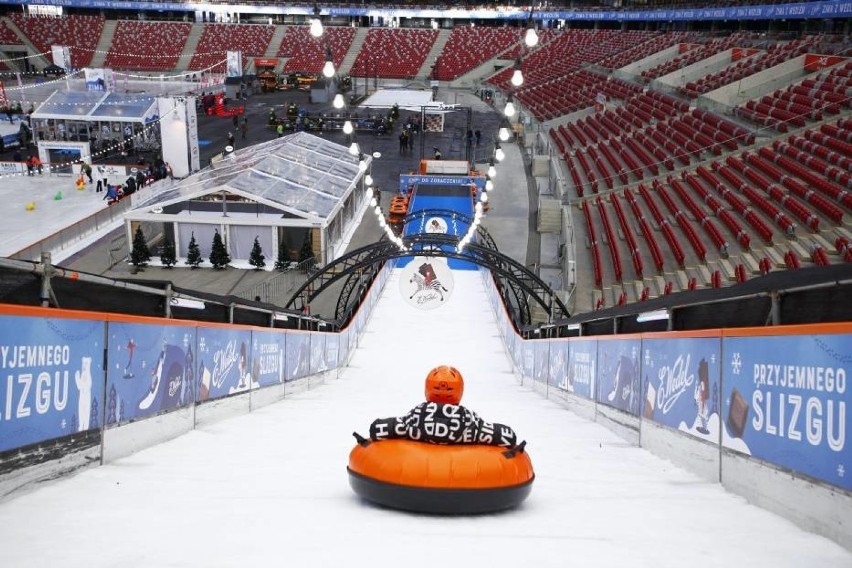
(440, 479)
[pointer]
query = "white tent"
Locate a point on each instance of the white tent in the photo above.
(283, 190)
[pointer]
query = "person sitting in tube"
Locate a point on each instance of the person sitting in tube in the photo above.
(441, 419)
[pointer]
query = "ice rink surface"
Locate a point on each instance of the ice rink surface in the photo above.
(270, 488)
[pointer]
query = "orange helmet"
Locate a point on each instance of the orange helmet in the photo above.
(444, 384)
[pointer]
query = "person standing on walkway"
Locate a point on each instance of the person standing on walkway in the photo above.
(244, 127)
(231, 139)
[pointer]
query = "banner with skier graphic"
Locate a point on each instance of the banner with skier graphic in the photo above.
(582, 365)
(785, 401)
(558, 364)
(680, 378)
(541, 354)
(298, 355)
(618, 374)
(224, 362)
(150, 369)
(318, 363)
(268, 356)
(52, 381)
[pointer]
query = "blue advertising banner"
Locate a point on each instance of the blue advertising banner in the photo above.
(318, 364)
(268, 357)
(52, 378)
(332, 350)
(681, 384)
(818, 9)
(582, 367)
(224, 362)
(618, 374)
(541, 353)
(149, 369)
(343, 347)
(785, 399)
(528, 368)
(558, 374)
(406, 181)
(298, 355)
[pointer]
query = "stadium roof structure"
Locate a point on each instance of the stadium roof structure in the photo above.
(296, 181)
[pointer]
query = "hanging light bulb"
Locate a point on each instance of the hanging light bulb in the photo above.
(368, 180)
(338, 101)
(316, 23)
(483, 197)
(517, 76)
(347, 127)
(492, 171)
(509, 111)
(531, 36)
(354, 149)
(369, 193)
(373, 202)
(503, 134)
(362, 166)
(489, 185)
(499, 154)
(328, 68)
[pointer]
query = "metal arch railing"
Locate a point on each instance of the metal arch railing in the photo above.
(519, 286)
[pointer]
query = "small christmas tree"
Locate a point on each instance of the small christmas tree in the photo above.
(193, 255)
(167, 255)
(283, 260)
(140, 255)
(307, 251)
(219, 256)
(256, 257)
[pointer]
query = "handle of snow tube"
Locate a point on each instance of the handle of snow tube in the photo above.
(362, 441)
(516, 450)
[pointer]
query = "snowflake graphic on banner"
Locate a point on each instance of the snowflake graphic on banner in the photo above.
(202, 345)
(648, 357)
(736, 363)
(841, 471)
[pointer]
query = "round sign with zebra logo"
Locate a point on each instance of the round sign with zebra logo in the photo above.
(426, 282)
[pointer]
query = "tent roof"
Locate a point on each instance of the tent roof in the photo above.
(300, 174)
(96, 105)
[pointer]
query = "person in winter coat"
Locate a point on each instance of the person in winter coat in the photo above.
(441, 419)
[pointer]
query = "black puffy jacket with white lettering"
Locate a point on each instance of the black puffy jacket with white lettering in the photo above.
(438, 423)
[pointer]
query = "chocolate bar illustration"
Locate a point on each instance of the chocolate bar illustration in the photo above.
(737, 414)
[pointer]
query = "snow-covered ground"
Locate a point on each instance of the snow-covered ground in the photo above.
(270, 488)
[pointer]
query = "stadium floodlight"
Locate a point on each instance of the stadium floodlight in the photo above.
(316, 23)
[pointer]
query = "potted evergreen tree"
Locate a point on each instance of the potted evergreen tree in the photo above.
(219, 256)
(306, 253)
(283, 260)
(256, 257)
(193, 254)
(167, 256)
(140, 255)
